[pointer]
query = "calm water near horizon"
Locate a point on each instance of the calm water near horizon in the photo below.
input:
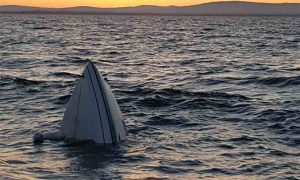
(203, 97)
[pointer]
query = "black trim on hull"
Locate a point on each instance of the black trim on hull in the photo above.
(105, 104)
(97, 105)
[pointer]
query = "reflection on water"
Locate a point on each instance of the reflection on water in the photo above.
(202, 97)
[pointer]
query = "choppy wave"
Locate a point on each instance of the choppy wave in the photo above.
(280, 81)
(20, 81)
(66, 74)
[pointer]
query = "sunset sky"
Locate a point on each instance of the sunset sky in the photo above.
(116, 3)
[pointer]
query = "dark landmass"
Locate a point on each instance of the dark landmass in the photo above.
(213, 8)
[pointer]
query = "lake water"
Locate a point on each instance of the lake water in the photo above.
(203, 97)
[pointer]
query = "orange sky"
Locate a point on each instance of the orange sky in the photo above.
(115, 3)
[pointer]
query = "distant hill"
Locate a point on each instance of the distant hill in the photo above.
(213, 8)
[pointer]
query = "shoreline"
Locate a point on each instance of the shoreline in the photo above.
(139, 14)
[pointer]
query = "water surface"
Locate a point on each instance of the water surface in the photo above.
(202, 97)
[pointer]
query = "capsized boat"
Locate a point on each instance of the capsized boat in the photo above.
(93, 112)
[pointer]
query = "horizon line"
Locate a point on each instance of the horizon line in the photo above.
(149, 5)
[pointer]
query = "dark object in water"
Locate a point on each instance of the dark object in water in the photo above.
(39, 138)
(92, 113)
